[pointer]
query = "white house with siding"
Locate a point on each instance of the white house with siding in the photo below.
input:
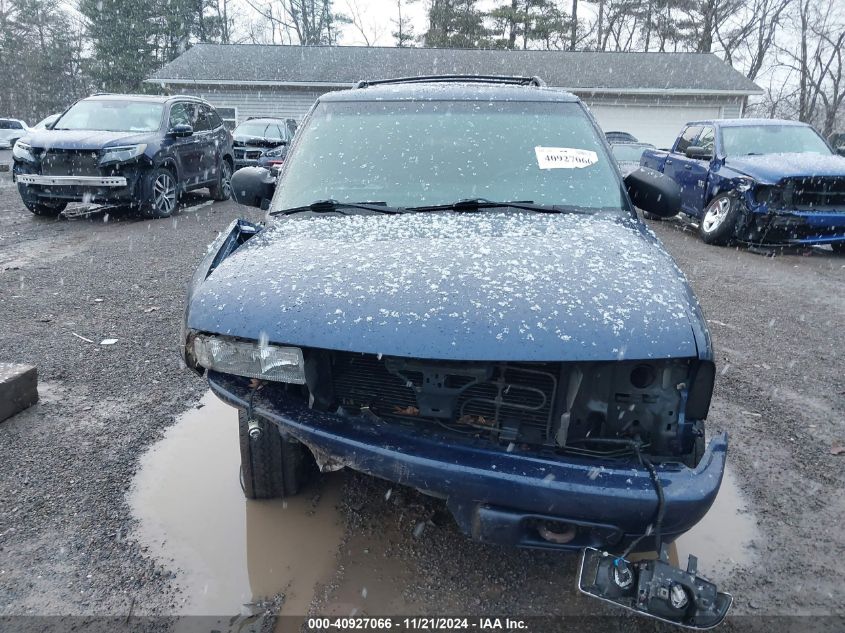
(650, 95)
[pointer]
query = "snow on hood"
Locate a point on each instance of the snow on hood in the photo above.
(771, 168)
(469, 286)
(84, 139)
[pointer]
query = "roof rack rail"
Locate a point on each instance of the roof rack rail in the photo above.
(100, 94)
(481, 79)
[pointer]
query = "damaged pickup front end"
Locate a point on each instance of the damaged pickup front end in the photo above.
(798, 211)
(789, 199)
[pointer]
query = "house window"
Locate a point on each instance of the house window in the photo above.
(229, 116)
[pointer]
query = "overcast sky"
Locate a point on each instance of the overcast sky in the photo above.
(378, 17)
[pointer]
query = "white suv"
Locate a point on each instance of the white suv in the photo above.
(11, 130)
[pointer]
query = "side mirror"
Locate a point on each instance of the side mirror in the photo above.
(653, 192)
(698, 153)
(181, 130)
(253, 186)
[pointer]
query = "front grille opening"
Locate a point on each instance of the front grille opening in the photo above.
(816, 193)
(500, 401)
(70, 163)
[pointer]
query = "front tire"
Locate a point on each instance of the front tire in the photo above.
(162, 194)
(720, 219)
(272, 466)
(223, 189)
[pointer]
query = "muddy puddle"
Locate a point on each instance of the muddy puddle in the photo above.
(230, 553)
(724, 538)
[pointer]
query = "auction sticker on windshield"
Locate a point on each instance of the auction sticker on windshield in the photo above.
(564, 157)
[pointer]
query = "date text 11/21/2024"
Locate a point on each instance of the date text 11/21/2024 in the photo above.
(419, 623)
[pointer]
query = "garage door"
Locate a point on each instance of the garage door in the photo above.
(658, 125)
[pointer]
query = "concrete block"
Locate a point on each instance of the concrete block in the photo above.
(18, 388)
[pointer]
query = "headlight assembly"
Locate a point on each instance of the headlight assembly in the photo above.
(276, 152)
(22, 151)
(250, 359)
(121, 154)
(744, 184)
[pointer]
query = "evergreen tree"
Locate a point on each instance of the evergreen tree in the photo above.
(456, 24)
(40, 59)
(124, 36)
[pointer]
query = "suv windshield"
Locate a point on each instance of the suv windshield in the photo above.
(771, 139)
(112, 116)
(259, 130)
(408, 154)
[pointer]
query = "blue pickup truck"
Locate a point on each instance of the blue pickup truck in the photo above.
(757, 181)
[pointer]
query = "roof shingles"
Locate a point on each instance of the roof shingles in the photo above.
(580, 71)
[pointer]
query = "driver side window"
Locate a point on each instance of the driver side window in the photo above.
(707, 139)
(687, 138)
(179, 115)
(198, 118)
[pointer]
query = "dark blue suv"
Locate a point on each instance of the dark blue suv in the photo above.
(138, 151)
(499, 331)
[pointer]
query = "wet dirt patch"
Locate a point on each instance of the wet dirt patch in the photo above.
(229, 553)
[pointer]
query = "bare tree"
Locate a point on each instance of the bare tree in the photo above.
(307, 22)
(748, 40)
(817, 61)
(368, 28)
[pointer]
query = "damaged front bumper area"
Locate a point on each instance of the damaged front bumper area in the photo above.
(507, 495)
(797, 213)
(109, 186)
(795, 228)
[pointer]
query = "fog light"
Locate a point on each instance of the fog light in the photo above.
(250, 359)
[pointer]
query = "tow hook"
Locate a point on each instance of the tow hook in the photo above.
(654, 588)
(254, 430)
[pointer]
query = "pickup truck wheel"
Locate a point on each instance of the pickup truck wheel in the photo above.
(223, 189)
(48, 210)
(271, 466)
(162, 194)
(719, 221)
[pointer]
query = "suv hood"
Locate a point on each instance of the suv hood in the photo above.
(771, 168)
(84, 139)
(452, 286)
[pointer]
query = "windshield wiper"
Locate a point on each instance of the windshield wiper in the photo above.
(477, 204)
(335, 206)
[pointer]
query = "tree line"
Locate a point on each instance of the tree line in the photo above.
(54, 51)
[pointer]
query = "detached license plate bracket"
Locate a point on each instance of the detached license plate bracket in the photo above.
(654, 588)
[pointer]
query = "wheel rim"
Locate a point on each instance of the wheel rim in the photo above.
(164, 193)
(716, 214)
(226, 179)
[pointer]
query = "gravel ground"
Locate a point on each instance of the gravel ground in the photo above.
(67, 463)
